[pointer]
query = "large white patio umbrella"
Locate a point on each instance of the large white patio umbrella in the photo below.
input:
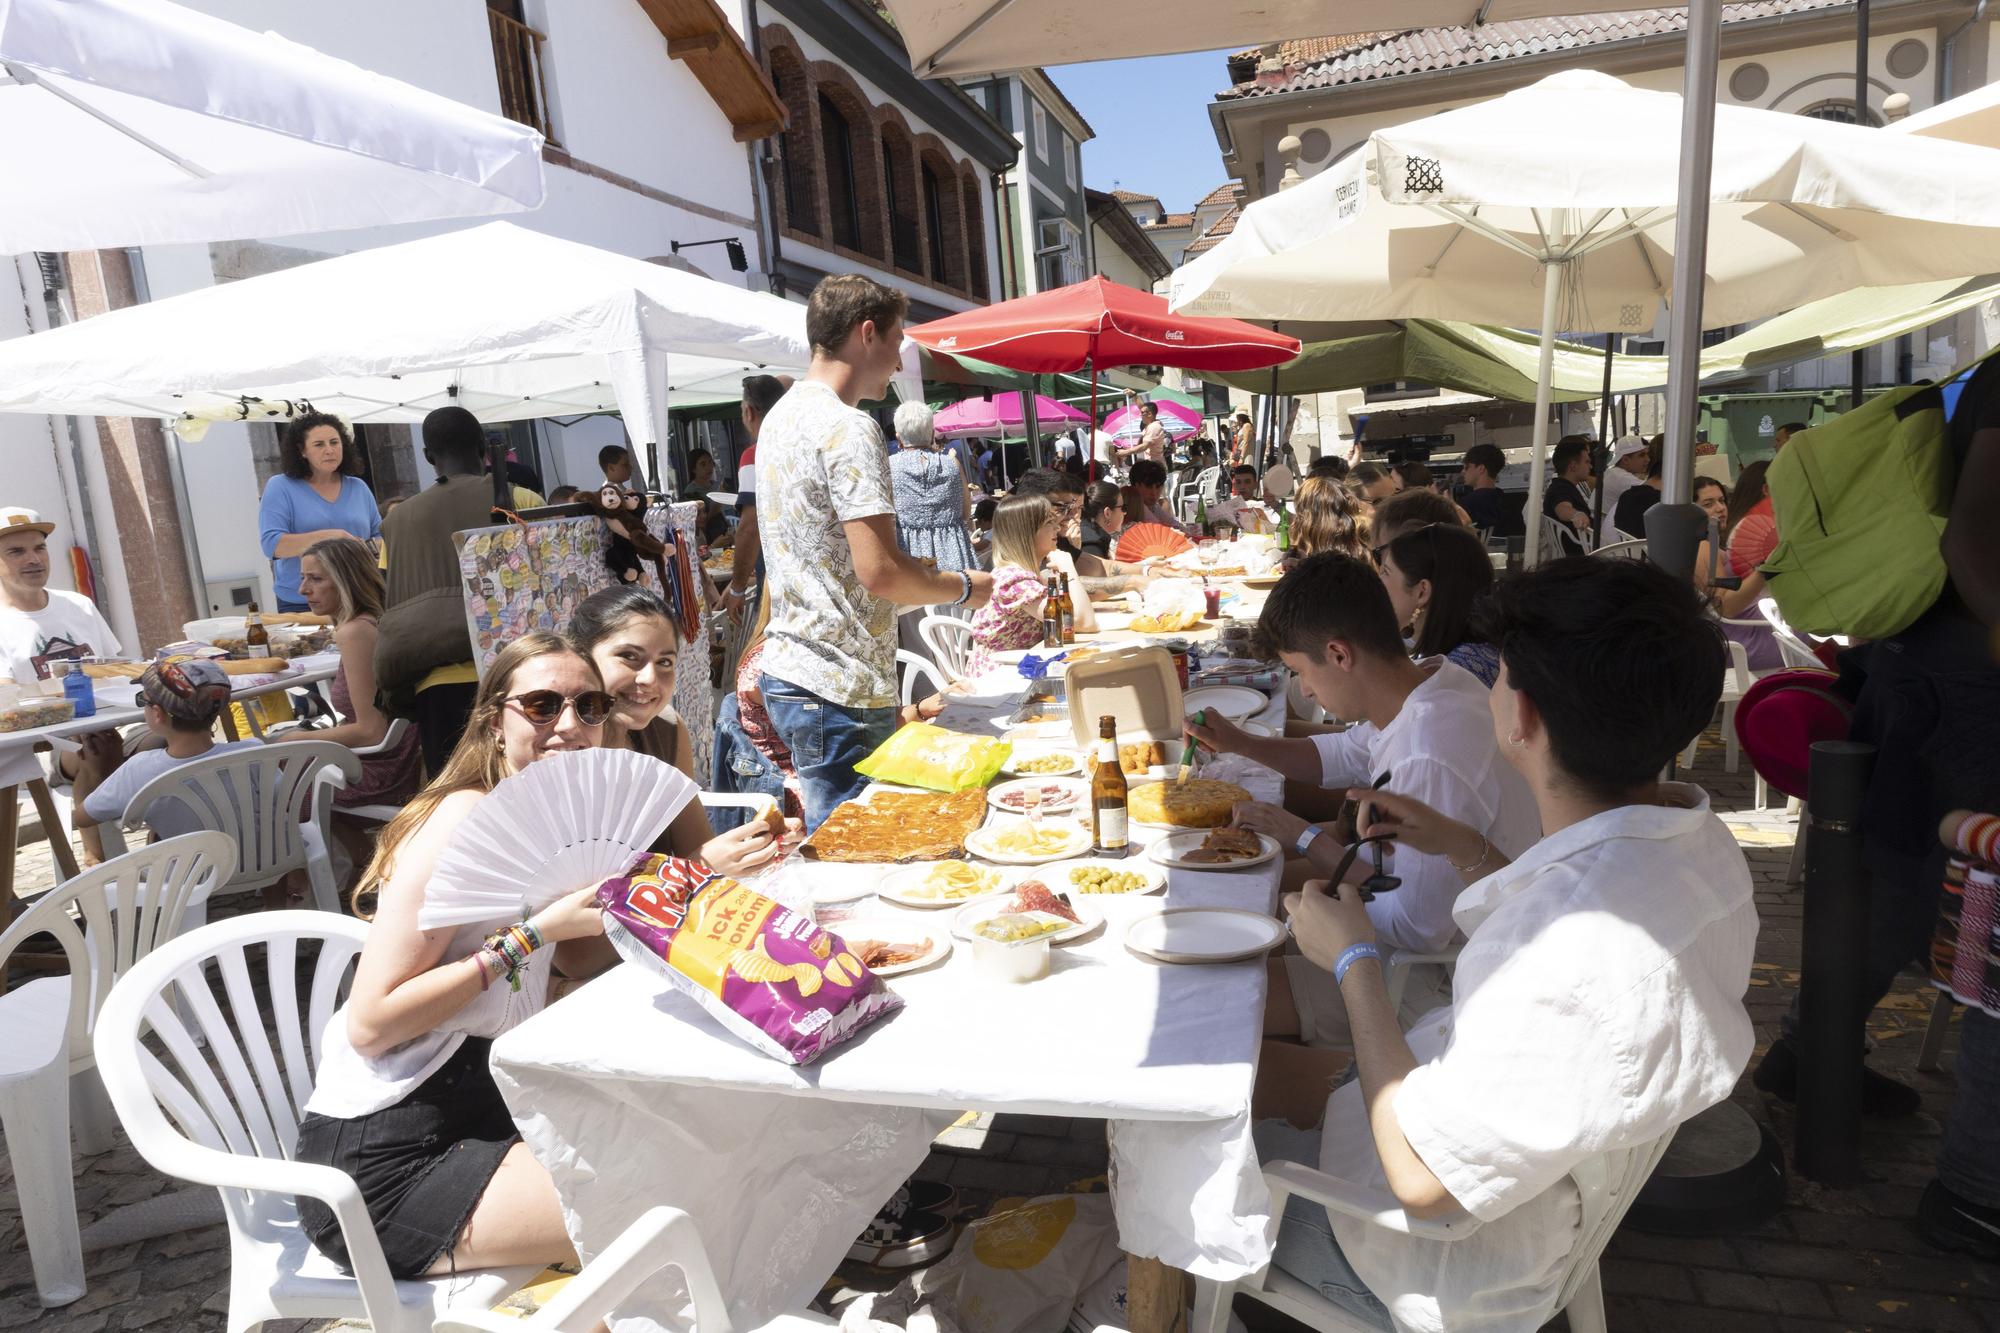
(506, 322)
(139, 122)
(1554, 207)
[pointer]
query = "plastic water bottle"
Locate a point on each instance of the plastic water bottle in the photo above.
(79, 691)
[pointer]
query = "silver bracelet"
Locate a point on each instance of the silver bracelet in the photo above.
(1485, 850)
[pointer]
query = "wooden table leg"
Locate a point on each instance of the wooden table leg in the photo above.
(52, 824)
(1156, 1298)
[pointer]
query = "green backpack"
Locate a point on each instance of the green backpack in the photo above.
(1861, 503)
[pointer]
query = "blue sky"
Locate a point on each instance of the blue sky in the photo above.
(1151, 118)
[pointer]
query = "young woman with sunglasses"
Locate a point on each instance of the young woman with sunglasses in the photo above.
(629, 636)
(404, 1101)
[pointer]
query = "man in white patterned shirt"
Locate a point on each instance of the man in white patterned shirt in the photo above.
(835, 574)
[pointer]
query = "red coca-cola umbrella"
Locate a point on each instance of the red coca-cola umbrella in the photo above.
(1095, 324)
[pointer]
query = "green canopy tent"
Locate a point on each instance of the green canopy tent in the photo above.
(1501, 363)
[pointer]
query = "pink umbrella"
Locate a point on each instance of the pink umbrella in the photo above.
(1001, 415)
(1179, 422)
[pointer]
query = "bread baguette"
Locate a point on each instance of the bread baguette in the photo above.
(113, 670)
(252, 666)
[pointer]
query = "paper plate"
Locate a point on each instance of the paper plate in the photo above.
(900, 929)
(1171, 851)
(1012, 767)
(1204, 935)
(1258, 728)
(982, 843)
(900, 886)
(1060, 796)
(1263, 580)
(982, 909)
(1234, 702)
(1058, 877)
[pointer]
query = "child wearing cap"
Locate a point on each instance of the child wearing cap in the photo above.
(182, 701)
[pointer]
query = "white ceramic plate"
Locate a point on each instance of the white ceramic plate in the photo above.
(1204, 935)
(902, 929)
(983, 842)
(1172, 851)
(1057, 877)
(1060, 796)
(982, 909)
(1262, 580)
(901, 886)
(1234, 702)
(1012, 767)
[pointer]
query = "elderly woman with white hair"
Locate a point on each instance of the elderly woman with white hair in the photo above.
(933, 506)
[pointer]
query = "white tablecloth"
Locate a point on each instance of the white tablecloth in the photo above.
(632, 1096)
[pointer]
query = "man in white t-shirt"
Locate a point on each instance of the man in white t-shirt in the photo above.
(1629, 457)
(181, 702)
(1242, 508)
(1425, 724)
(40, 626)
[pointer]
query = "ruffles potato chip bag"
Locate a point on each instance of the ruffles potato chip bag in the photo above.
(766, 973)
(921, 755)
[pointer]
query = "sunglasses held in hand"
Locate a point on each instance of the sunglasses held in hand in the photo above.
(544, 707)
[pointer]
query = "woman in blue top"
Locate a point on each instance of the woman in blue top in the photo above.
(316, 498)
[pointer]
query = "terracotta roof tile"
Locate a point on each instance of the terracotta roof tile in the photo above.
(1174, 220)
(1422, 50)
(1128, 197)
(1210, 238)
(1221, 194)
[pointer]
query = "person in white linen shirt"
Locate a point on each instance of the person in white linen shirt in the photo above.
(1599, 997)
(1427, 724)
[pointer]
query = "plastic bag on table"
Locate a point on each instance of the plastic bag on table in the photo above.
(922, 755)
(1171, 597)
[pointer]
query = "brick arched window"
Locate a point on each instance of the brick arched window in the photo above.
(944, 234)
(902, 198)
(836, 153)
(851, 158)
(975, 231)
(797, 154)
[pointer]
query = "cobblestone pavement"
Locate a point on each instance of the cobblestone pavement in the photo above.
(1831, 1260)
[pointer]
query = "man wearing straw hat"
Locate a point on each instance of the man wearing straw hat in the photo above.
(41, 627)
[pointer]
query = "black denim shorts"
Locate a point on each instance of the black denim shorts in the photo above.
(421, 1164)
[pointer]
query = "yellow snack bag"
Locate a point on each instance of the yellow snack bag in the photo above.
(922, 755)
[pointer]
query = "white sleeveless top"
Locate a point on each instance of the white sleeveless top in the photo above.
(351, 1084)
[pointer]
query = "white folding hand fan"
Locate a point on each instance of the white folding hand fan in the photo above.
(557, 826)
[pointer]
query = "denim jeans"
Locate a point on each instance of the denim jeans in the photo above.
(1306, 1246)
(739, 767)
(826, 740)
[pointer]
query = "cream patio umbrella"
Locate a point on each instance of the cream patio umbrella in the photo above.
(1554, 208)
(140, 122)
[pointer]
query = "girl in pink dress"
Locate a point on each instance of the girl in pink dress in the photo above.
(1025, 528)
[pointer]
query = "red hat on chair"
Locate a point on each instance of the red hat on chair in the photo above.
(1780, 717)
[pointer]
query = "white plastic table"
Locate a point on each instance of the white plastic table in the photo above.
(110, 715)
(632, 1096)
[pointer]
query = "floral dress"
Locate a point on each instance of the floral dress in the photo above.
(1011, 619)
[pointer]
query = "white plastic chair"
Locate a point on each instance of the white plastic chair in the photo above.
(226, 1113)
(259, 797)
(122, 909)
(1603, 1196)
(949, 640)
(1203, 488)
(378, 813)
(1626, 548)
(918, 675)
(1553, 532)
(1795, 651)
(1736, 681)
(663, 1237)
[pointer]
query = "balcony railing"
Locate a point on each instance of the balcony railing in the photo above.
(524, 89)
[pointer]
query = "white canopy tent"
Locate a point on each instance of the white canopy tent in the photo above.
(1469, 215)
(139, 122)
(503, 321)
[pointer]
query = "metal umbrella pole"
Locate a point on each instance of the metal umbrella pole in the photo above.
(1538, 462)
(1858, 364)
(1604, 434)
(1090, 431)
(1674, 526)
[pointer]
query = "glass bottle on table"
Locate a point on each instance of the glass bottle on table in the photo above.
(1051, 615)
(255, 636)
(1108, 829)
(1066, 611)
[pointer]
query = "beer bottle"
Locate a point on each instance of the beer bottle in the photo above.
(1201, 523)
(1284, 528)
(1066, 605)
(1051, 615)
(255, 636)
(1107, 793)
